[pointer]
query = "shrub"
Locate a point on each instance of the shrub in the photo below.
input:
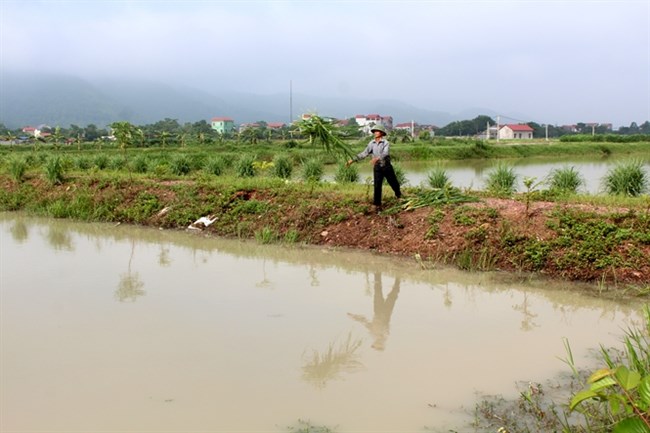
(438, 177)
(565, 180)
(626, 178)
(282, 166)
(346, 173)
(17, 168)
(245, 166)
(501, 180)
(216, 165)
(312, 170)
(181, 165)
(140, 164)
(54, 170)
(101, 161)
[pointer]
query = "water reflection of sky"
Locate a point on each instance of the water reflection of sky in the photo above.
(112, 328)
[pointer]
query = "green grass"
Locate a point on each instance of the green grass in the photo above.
(627, 178)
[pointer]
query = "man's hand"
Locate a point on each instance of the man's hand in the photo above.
(349, 163)
(374, 161)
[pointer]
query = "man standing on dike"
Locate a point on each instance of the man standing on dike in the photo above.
(379, 148)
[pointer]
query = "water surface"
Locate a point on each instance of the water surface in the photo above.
(124, 329)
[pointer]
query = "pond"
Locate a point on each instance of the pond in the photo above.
(473, 173)
(119, 328)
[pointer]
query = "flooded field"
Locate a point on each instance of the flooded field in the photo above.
(127, 329)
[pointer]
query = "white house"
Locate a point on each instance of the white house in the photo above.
(367, 121)
(510, 132)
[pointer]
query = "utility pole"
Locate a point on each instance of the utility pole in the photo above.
(498, 121)
(546, 131)
(290, 103)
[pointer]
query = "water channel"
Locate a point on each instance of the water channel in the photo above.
(118, 328)
(473, 173)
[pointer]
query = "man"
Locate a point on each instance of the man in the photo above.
(379, 148)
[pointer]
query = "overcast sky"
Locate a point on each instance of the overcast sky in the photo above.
(550, 61)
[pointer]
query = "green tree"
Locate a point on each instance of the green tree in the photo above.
(124, 133)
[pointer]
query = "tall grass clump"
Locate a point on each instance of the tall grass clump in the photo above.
(346, 173)
(215, 165)
(626, 178)
(83, 162)
(565, 180)
(312, 170)
(438, 177)
(282, 166)
(140, 164)
(501, 180)
(17, 168)
(245, 166)
(180, 165)
(101, 161)
(54, 171)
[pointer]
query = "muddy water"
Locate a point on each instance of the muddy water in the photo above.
(115, 328)
(473, 173)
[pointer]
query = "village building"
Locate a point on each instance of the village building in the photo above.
(223, 125)
(512, 131)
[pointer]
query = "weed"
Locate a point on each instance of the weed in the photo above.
(312, 170)
(565, 180)
(266, 235)
(502, 180)
(54, 171)
(627, 178)
(17, 168)
(346, 173)
(282, 166)
(438, 177)
(244, 167)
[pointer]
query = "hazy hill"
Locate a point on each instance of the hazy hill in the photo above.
(59, 100)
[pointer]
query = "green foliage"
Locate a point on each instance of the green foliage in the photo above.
(266, 236)
(140, 164)
(620, 392)
(436, 197)
(17, 168)
(101, 161)
(501, 181)
(346, 173)
(565, 180)
(181, 165)
(627, 178)
(438, 177)
(312, 170)
(215, 165)
(144, 207)
(245, 166)
(282, 166)
(54, 171)
(321, 131)
(400, 174)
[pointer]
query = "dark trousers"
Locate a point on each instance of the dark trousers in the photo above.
(381, 172)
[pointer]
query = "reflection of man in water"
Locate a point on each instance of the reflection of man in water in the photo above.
(383, 309)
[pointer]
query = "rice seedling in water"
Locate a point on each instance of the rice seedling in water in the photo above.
(312, 170)
(346, 173)
(501, 180)
(626, 178)
(438, 177)
(282, 166)
(566, 180)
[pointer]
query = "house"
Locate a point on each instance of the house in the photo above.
(512, 131)
(223, 125)
(275, 125)
(367, 121)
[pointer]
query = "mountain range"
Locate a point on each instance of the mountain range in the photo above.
(64, 100)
